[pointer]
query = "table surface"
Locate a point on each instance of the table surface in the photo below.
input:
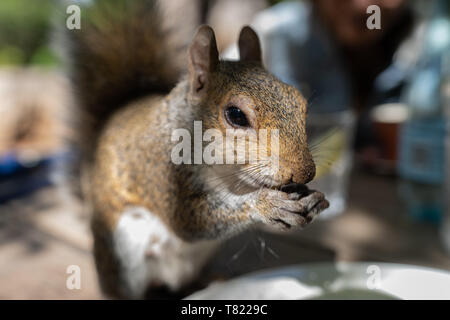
(44, 233)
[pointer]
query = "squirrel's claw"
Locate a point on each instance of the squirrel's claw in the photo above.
(288, 210)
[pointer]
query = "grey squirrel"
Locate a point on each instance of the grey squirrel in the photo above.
(155, 222)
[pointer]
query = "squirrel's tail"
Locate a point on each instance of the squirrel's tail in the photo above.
(120, 52)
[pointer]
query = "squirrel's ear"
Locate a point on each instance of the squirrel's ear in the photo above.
(249, 48)
(203, 58)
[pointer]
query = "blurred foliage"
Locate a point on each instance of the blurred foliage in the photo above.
(24, 32)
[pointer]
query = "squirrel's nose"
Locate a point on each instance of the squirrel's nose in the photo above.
(305, 174)
(311, 174)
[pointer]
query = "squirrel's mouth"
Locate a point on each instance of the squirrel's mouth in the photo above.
(292, 188)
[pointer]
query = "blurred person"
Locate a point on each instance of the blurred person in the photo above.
(32, 112)
(34, 129)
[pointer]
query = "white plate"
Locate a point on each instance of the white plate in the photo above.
(335, 281)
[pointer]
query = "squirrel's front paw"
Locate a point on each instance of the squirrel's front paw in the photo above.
(292, 207)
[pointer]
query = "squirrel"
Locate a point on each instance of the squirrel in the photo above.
(155, 223)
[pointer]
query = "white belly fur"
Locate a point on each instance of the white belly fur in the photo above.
(151, 253)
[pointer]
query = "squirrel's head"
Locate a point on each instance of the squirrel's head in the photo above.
(239, 99)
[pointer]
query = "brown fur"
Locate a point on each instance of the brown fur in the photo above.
(132, 160)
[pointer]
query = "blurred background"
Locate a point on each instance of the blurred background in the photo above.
(378, 114)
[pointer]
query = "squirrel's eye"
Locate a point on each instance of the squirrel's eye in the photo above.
(236, 117)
